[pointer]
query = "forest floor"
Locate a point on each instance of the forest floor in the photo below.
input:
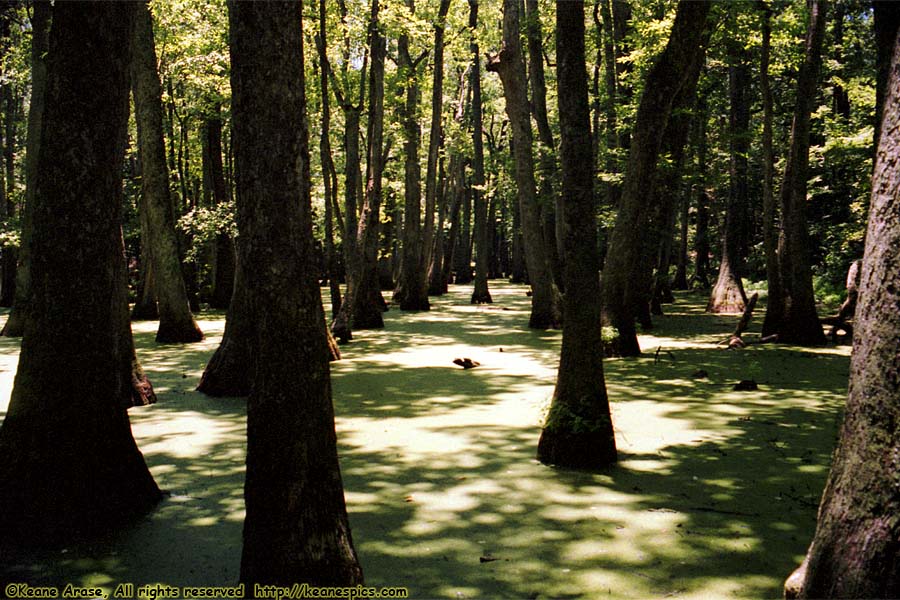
(714, 496)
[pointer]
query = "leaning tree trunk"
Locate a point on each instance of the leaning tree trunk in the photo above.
(296, 528)
(801, 322)
(510, 65)
(621, 274)
(854, 551)
(480, 293)
(40, 30)
(176, 323)
(728, 294)
(71, 466)
(579, 430)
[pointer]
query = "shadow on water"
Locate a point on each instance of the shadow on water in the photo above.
(715, 493)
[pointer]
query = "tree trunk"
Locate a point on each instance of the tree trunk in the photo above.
(412, 289)
(801, 323)
(579, 431)
(887, 23)
(464, 243)
(71, 465)
(611, 84)
(510, 65)
(775, 303)
(8, 254)
(728, 295)
(680, 281)
(854, 551)
(145, 308)
(668, 186)
(701, 236)
(363, 305)
(176, 323)
(480, 294)
(296, 527)
(621, 275)
(548, 199)
(223, 276)
(40, 28)
(329, 175)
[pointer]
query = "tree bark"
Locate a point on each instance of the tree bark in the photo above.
(887, 23)
(621, 275)
(176, 323)
(480, 294)
(71, 465)
(728, 294)
(854, 551)
(296, 528)
(801, 323)
(579, 431)
(510, 65)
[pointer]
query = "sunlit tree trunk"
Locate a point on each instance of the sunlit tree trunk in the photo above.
(728, 293)
(412, 288)
(71, 465)
(510, 65)
(579, 430)
(176, 323)
(854, 551)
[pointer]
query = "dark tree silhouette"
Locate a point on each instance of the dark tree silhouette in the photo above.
(70, 464)
(296, 527)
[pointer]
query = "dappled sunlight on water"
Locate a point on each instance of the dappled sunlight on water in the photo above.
(714, 496)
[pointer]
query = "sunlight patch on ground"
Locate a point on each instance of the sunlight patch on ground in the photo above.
(714, 496)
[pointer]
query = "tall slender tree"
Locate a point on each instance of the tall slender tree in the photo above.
(800, 324)
(70, 464)
(510, 65)
(176, 323)
(775, 305)
(579, 430)
(412, 287)
(623, 285)
(296, 527)
(480, 293)
(362, 306)
(40, 39)
(854, 551)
